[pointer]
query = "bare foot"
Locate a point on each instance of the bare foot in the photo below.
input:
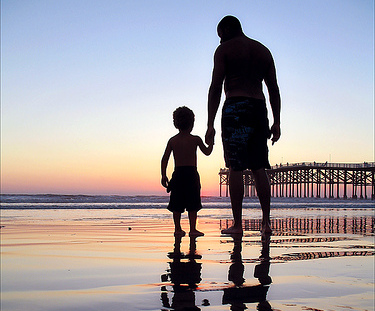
(195, 233)
(179, 234)
(232, 230)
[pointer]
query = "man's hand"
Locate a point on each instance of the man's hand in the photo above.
(210, 135)
(275, 132)
(164, 181)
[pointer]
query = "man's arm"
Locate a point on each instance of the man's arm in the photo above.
(214, 94)
(275, 101)
(164, 163)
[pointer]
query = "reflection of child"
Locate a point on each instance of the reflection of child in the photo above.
(185, 274)
(185, 183)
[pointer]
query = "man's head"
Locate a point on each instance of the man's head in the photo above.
(183, 118)
(228, 28)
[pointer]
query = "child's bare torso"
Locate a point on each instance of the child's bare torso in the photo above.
(184, 147)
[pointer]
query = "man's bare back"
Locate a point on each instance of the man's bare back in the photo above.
(247, 64)
(242, 64)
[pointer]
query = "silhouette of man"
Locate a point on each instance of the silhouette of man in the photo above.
(242, 64)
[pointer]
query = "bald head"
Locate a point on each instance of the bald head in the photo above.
(228, 28)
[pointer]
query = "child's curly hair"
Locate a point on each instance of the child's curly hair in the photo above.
(183, 118)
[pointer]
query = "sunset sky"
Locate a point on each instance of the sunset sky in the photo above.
(88, 87)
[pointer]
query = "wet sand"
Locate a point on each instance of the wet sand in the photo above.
(317, 262)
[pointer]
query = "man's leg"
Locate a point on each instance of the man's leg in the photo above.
(236, 192)
(263, 188)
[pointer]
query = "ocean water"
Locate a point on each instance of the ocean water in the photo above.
(117, 209)
(52, 201)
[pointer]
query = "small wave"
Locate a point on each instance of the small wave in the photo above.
(52, 201)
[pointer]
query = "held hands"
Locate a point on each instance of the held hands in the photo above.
(210, 135)
(164, 181)
(275, 132)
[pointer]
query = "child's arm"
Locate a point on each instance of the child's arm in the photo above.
(206, 150)
(164, 163)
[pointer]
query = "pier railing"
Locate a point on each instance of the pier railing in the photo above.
(326, 164)
(312, 179)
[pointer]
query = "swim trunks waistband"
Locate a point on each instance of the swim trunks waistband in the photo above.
(236, 99)
(185, 167)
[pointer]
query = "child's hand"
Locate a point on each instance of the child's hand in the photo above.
(164, 181)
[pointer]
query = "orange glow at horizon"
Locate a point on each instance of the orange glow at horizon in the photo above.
(107, 174)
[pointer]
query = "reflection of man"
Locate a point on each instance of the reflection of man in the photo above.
(240, 294)
(242, 64)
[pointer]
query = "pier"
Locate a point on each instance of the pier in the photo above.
(311, 179)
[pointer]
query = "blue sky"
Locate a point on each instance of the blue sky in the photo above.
(89, 87)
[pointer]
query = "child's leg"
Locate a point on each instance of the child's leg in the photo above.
(193, 221)
(177, 224)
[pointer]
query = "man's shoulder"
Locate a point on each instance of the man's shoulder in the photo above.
(258, 44)
(242, 41)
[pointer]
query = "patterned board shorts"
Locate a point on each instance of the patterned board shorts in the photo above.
(245, 130)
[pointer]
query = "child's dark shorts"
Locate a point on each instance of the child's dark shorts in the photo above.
(245, 130)
(185, 190)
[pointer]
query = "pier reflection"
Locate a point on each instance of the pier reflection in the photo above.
(338, 240)
(239, 294)
(346, 225)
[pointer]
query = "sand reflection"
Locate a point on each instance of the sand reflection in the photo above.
(329, 236)
(184, 275)
(239, 294)
(346, 225)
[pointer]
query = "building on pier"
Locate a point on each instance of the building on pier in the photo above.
(320, 180)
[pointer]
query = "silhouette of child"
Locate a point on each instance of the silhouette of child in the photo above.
(185, 183)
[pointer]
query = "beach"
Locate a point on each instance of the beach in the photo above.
(61, 257)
